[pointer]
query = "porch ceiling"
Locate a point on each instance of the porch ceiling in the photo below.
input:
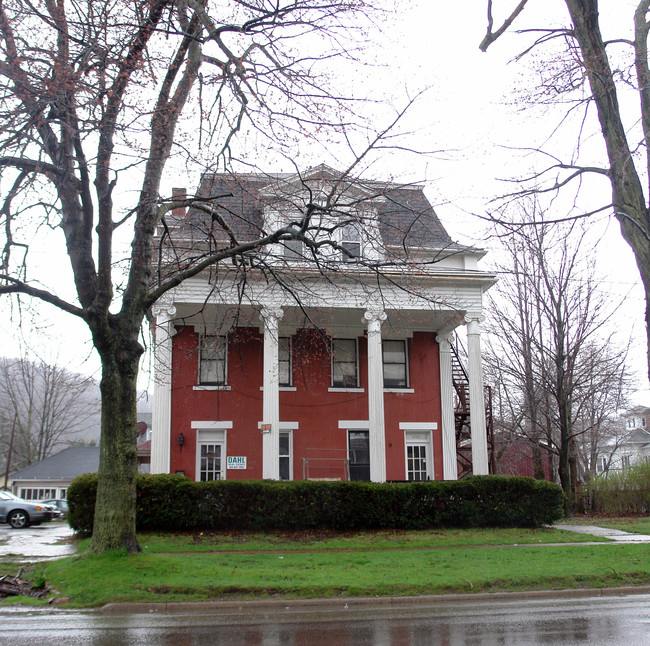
(334, 320)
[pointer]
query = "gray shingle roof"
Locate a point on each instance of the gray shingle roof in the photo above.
(406, 218)
(65, 465)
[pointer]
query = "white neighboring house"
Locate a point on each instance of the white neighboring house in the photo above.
(51, 477)
(633, 445)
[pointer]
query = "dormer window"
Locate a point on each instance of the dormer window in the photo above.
(350, 242)
(294, 250)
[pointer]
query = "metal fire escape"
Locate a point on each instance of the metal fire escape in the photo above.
(462, 418)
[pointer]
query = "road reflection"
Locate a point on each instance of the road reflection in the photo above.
(623, 620)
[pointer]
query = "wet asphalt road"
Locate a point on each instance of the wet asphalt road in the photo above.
(599, 621)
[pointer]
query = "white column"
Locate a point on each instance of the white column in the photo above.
(271, 396)
(162, 400)
(449, 460)
(476, 397)
(377, 431)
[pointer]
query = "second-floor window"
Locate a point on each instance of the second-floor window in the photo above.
(284, 360)
(213, 360)
(345, 370)
(395, 364)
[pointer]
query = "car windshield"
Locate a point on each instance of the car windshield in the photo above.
(6, 495)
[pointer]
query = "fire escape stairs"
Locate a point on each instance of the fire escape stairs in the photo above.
(462, 418)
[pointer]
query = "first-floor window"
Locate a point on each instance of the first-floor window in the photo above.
(625, 461)
(419, 465)
(345, 372)
(416, 462)
(395, 364)
(285, 455)
(213, 354)
(37, 494)
(359, 455)
(210, 465)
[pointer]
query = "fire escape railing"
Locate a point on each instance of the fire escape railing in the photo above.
(462, 417)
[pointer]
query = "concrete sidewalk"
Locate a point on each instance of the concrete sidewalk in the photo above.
(616, 535)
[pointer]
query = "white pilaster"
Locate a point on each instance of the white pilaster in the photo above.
(476, 397)
(449, 460)
(376, 423)
(162, 401)
(271, 396)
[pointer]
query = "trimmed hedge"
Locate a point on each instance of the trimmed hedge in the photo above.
(176, 503)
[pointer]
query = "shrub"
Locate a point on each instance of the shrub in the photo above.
(175, 503)
(623, 492)
(81, 501)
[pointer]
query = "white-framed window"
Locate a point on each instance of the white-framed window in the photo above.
(37, 494)
(286, 453)
(213, 360)
(625, 461)
(643, 422)
(359, 455)
(345, 363)
(350, 242)
(284, 361)
(395, 361)
(418, 455)
(294, 249)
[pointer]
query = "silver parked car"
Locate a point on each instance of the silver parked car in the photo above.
(59, 505)
(21, 513)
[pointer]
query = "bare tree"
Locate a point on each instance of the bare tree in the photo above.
(593, 72)
(97, 96)
(561, 377)
(50, 405)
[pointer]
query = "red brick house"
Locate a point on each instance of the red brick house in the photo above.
(337, 367)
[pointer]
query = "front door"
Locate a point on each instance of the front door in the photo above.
(210, 462)
(359, 455)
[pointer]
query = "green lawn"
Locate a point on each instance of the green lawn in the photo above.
(311, 541)
(197, 577)
(207, 566)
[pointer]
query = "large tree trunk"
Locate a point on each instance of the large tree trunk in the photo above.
(564, 471)
(628, 198)
(115, 510)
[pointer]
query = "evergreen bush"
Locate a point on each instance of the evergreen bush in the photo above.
(175, 503)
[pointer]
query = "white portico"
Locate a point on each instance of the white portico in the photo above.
(329, 353)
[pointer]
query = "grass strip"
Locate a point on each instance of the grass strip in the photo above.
(95, 580)
(310, 541)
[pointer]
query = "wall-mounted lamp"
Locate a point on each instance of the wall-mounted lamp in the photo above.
(181, 441)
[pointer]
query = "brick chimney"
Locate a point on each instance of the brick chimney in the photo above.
(179, 194)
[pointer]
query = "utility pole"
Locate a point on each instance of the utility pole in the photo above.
(11, 448)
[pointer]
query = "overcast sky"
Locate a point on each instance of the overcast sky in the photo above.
(473, 114)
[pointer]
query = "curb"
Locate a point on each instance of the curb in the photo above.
(360, 602)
